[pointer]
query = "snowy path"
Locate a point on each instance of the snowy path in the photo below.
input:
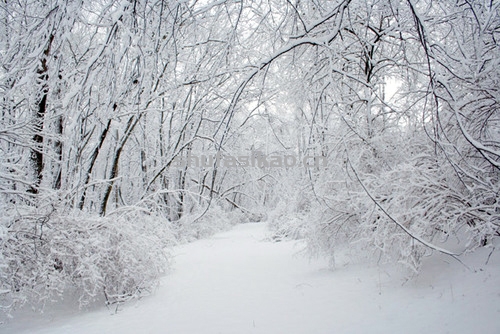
(236, 282)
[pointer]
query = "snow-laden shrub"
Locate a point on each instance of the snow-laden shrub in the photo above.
(401, 208)
(289, 219)
(46, 255)
(202, 223)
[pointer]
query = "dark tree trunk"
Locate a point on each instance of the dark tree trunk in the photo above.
(37, 150)
(92, 163)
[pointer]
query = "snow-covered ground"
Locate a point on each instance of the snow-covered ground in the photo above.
(238, 282)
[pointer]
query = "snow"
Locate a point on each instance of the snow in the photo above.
(240, 282)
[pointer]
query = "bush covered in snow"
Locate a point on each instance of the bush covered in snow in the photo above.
(289, 220)
(202, 223)
(47, 255)
(391, 207)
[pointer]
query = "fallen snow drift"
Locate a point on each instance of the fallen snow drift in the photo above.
(239, 282)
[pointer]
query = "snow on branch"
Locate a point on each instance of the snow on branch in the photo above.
(406, 230)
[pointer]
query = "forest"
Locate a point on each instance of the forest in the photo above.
(100, 99)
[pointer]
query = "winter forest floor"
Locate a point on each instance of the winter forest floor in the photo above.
(240, 282)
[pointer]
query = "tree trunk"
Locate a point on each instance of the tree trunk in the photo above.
(37, 150)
